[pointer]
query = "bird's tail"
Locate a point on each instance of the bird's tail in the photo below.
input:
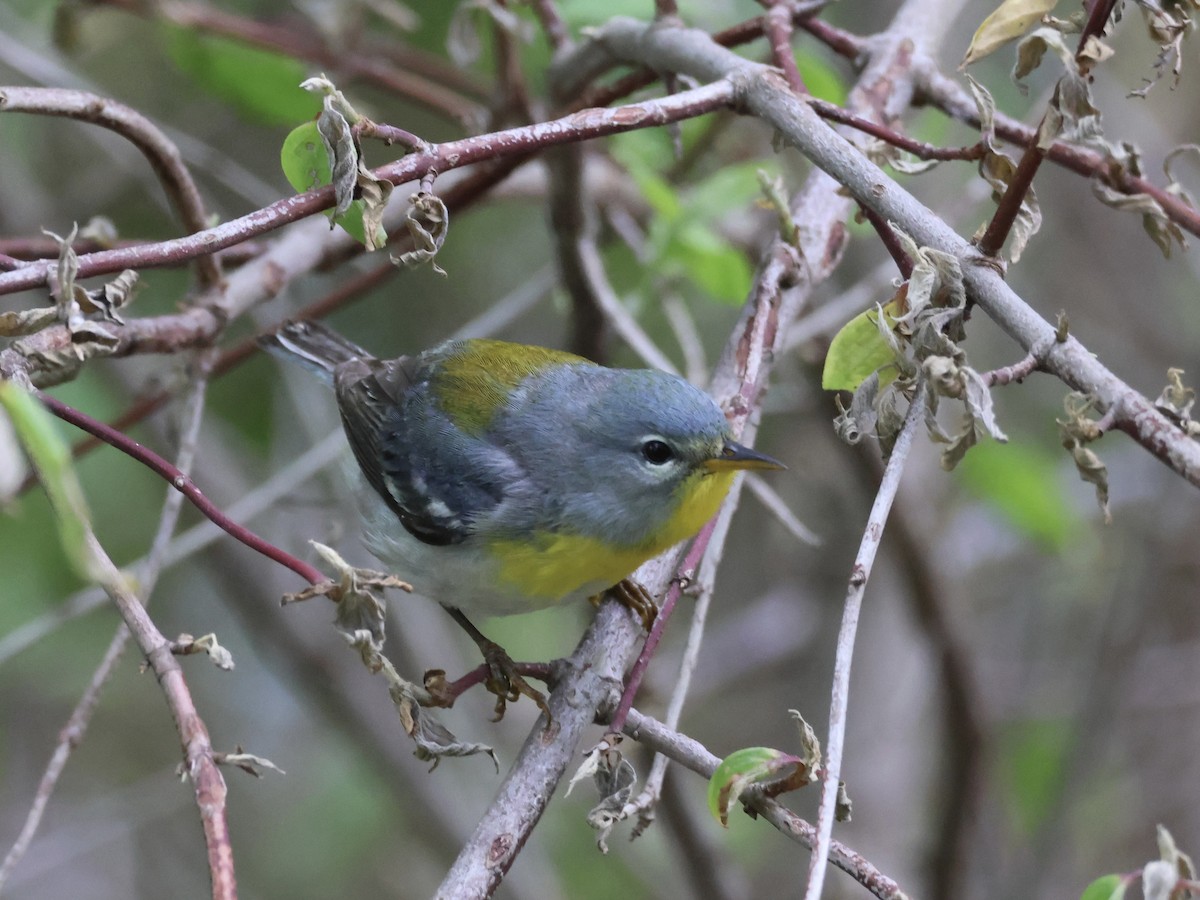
(312, 345)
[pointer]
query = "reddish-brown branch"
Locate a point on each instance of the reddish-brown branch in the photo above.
(920, 149)
(452, 690)
(389, 134)
(803, 16)
(943, 93)
(777, 25)
(1009, 206)
(579, 126)
(1018, 371)
(439, 89)
(552, 23)
(1018, 188)
(27, 249)
(181, 483)
(683, 576)
(159, 150)
(888, 237)
(1097, 20)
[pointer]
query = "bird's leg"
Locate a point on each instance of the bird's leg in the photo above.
(633, 597)
(503, 679)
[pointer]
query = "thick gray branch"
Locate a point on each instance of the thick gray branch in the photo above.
(764, 93)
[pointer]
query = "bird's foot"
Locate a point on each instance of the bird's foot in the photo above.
(506, 682)
(499, 674)
(633, 597)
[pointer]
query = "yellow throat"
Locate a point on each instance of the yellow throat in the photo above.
(551, 565)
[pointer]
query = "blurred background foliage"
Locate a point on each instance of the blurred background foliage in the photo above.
(1078, 643)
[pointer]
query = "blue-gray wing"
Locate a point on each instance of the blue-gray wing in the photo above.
(437, 480)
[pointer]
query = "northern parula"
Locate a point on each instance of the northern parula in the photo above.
(503, 478)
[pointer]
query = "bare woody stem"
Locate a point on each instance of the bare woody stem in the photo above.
(579, 126)
(778, 28)
(693, 755)
(945, 93)
(181, 483)
(769, 98)
(160, 152)
(439, 87)
(233, 357)
(200, 766)
(920, 149)
(859, 575)
(1009, 206)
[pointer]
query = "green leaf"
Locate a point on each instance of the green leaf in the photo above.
(51, 457)
(711, 263)
(750, 766)
(1022, 483)
(1034, 754)
(303, 157)
(260, 84)
(1107, 887)
(728, 189)
(306, 165)
(662, 197)
(857, 351)
(821, 79)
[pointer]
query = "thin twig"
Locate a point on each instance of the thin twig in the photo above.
(1018, 371)
(514, 142)
(946, 94)
(919, 149)
(68, 739)
(859, 575)
(181, 483)
(803, 16)
(769, 98)
(573, 230)
(591, 270)
(691, 754)
(891, 243)
(200, 768)
(197, 538)
(1021, 182)
(159, 150)
(687, 335)
(778, 29)
(552, 24)
(437, 88)
(1009, 205)
(645, 802)
(28, 248)
(684, 574)
(777, 507)
(73, 732)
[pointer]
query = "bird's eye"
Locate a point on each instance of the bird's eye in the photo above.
(657, 453)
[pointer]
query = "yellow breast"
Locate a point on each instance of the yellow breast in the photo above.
(551, 565)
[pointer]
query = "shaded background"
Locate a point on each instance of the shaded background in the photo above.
(1070, 695)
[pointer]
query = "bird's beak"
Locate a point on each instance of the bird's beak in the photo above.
(734, 456)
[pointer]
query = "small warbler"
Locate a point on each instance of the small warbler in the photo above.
(502, 478)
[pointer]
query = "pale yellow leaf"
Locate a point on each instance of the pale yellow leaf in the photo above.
(1007, 22)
